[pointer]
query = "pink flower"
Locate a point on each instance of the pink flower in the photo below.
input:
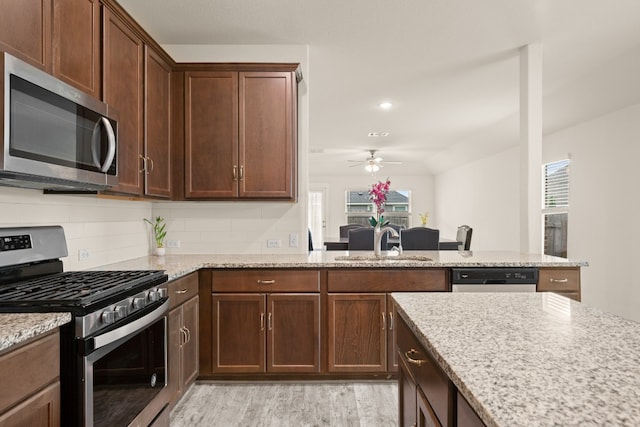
(378, 195)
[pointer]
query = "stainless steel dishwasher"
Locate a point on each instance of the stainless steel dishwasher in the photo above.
(494, 279)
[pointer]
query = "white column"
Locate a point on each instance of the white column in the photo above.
(531, 148)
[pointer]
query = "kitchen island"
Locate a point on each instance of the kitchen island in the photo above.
(528, 359)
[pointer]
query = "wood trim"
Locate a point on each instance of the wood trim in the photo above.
(237, 66)
(388, 280)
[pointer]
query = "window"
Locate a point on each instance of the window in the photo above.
(555, 209)
(359, 208)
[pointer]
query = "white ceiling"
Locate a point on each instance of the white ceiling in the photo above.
(450, 67)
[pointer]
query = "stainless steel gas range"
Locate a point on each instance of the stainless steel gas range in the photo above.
(114, 352)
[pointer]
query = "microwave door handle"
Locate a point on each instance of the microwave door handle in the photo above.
(111, 151)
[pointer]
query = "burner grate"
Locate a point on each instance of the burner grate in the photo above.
(76, 288)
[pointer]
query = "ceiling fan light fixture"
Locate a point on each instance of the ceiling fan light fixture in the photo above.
(372, 167)
(385, 105)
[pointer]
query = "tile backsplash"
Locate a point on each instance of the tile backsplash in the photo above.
(98, 230)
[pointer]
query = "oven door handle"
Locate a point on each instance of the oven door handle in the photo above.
(130, 328)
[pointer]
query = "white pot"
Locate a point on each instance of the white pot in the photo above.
(159, 251)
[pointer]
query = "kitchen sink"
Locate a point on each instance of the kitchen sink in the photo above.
(372, 257)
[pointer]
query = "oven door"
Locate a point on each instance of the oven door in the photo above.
(126, 370)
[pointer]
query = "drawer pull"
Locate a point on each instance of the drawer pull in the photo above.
(181, 291)
(410, 355)
(266, 282)
(552, 280)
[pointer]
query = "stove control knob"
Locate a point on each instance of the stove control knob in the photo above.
(121, 311)
(108, 317)
(162, 292)
(139, 302)
(153, 295)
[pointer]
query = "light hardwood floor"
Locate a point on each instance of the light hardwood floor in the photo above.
(282, 404)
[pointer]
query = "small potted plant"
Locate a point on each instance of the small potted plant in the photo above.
(159, 234)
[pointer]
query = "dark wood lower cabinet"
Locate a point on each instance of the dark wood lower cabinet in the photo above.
(258, 333)
(357, 332)
(427, 397)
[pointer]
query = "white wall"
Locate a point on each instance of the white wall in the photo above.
(485, 195)
(604, 204)
(421, 187)
(111, 230)
(244, 227)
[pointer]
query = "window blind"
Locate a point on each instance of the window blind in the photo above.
(556, 184)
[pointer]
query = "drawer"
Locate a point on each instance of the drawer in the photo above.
(265, 280)
(559, 280)
(28, 369)
(183, 289)
(432, 380)
(388, 280)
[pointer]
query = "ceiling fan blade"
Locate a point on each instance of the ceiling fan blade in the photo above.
(357, 164)
(393, 163)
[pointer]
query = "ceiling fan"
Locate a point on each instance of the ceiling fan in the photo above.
(372, 163)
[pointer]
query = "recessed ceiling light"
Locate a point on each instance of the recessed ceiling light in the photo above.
(377, 134)
(385, 105)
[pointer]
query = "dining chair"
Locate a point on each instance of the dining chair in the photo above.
(420, 239)
(344, 229)
(464, 236)
(361, 239)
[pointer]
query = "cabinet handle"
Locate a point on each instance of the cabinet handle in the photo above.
(384, 320)
(391, 320)
(181, 291)
(262, 321)
(241, 172)
(269, 321)
(183, 337)
(409, 355)
(235, 172)
(150, 165)
(144, 163)
(266, 282)
(188, 334)
(552, 280)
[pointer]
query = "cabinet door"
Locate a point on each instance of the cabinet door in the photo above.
(392, 351)
(267, 135)
(122, 85)
(293, 339)
(211, 135)
(357, 333)
(174, 346)
(407, 393)
(425, 415)
(239, 333)
(157, 120)
(190, 347)
(42, 409)
(76, 44)
(25, 28)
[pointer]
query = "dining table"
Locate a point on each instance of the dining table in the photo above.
(342, 243)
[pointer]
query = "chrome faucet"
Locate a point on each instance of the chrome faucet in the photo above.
(377, 238)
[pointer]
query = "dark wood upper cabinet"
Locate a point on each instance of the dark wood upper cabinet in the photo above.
(157, 159)
(76, 44)
(267, 137)
(240, 134)
(211, 134)
(123, 63)
(25, 31)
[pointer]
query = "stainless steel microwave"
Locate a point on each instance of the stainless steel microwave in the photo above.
(54, 135)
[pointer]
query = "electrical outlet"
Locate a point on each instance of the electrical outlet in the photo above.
(293, 240)
(274, 243)
(83, 254)
(173, 244)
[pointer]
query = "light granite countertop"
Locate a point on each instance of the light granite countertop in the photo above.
(16, 328)
(180, 265)
(532, 359)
